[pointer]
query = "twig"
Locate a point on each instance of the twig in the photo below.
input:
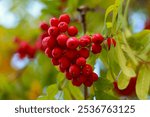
(83, 10)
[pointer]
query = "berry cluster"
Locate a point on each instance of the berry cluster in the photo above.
(25, 49)
(70, 53)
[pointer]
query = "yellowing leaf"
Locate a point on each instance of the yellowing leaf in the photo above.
(128, 71)
(123, 81)
(143, 82)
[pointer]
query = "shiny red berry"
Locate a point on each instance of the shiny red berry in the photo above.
(54, 21)
(87, 70)
(72, 43)
(63, 26)
(68, 75)
(84, 52)
(44, 26)
(55, 61)
(81, 61)
(62, 39)
(85, 40)
(48, 52)
(76, 82)
(64, 62)
(74, 70)
(53, 31)
(57, 52)
(71, 53)
(94, 76)
(64, 18)
(72, 31)
(82, 78)
(62, 69)
(88, 83)
(96, 48)
(49, 42)
(97, 38)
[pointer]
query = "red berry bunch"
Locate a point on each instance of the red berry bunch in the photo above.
(70, 53)
(25, 49)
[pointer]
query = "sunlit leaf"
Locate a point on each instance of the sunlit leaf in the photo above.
(143, 82)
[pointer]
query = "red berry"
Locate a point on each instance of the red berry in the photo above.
(62, 39)
(96, 48)
(111, 41)
(85, 40)
(48, 52)
(31, 51)
(68, 75)
(88, 83)
(72, 31)
(54, 21)
(97, 38)
(55, 61)
(84, 52)
(82, 78)
(87, 70)
(63, 26)
(94, 76)
(81, 61)
(22, 55)
(64, 18)
(64, 62)
(71, 53)
(44, 26)
(74, 70)
(57, 52)
(62, 69)
(23, 47)
(76, 82)
(114, 42)
(72, 43)
(53, 31)
(49, 42)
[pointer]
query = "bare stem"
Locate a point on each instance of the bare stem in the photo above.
(83, 10)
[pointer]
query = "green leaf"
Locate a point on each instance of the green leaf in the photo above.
(143, 82)
(123, 81)
(75, 91)
(115, 10)
(103, 84)
(141, 34)
(109, 24)
(105, 96)
(128, 50)
(128, 71)
(67, 94)
(52, 91)
(108, 11)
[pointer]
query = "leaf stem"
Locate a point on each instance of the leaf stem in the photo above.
(83, 10)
